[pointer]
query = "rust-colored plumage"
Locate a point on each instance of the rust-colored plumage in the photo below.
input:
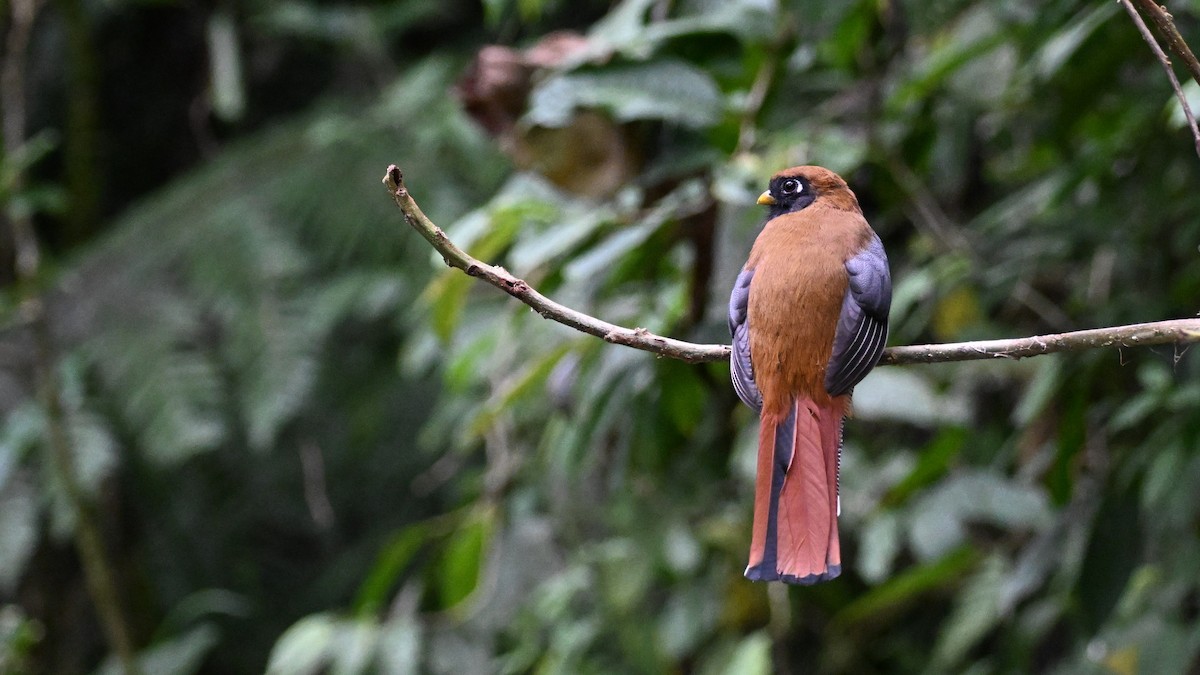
(808, 315)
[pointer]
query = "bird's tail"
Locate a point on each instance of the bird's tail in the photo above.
(796, 494)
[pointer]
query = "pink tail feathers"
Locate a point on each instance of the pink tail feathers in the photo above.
(795, 536)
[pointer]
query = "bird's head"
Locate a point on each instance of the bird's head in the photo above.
(796, 188)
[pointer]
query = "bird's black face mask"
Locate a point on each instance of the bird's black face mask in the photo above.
(787, 194)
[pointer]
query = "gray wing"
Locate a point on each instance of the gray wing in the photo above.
(863, 325)
(740, 366)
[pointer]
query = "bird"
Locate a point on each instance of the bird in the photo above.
(808, 316)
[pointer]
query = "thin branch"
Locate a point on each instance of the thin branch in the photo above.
(1166, 26)
(81, 135)
(1178, 331)
(316, 495)
(13, 116)
(499, 277)
(98, 569)
(1175, 331)
(755, 98)
(1166, 62)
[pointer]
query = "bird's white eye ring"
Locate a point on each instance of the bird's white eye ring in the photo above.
(790, 186)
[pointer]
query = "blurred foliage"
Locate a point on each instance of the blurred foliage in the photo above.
(318, 450)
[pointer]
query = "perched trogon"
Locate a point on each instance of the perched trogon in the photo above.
(809, 318)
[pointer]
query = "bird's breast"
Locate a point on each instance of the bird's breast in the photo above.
(795, 301)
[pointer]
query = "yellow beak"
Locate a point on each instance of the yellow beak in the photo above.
(765, 199)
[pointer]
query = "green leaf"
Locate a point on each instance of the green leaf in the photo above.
(1191, 91)
(664, 89)
(399, 649)
(749, 20)
(517, 389)
(201, 605)
(531, 10)
(446, 296)
(493, 10)
(681, 550)
(26, 155)
(685, 621)
(933, 463)
(605, 255)
(975, 613)
(396, 557)
(629, 30)
(323, 643)
(975, 35)
(169, 396)
(624, 26)
(1113, 552)
(899, 394)
(625, 573)
(19, 511)
(181, 655)
(940, 516)
(539, 248)
(752, 656)
(906, 588)
(305, 648)
(878, 546)
(20, 636)
(353, 647)
(1040, 392)
(684, 396)
(461, 565)
(20, 433)
(1065, 43)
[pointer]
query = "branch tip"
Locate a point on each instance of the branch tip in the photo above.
(394, 174)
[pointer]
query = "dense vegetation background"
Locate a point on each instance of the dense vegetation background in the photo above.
(304, 445)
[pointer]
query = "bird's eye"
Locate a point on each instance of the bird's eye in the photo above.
(790, 186)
